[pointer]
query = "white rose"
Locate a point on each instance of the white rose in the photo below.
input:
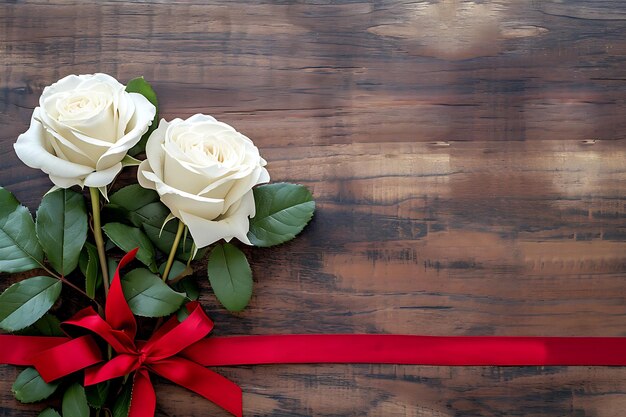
(83, 128)
(204, 171)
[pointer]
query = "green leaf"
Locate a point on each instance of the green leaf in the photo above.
(49, 325)
(30, 387)
(97, 394)
(108, 245)
(151, 212)
(230, 276)
(62, 228)
(134, 197)
(112, 213)
(89, 264)
(282, 211)
(164, 239)
(190, 287)
(137, 205)
(19, 248)
(178, 269)
(24, 302)
(128, 238)
(122, 403)
(49, 412)
(182, 314)
(141, 86)
(75, 402)
(111, 266)
(148, 295)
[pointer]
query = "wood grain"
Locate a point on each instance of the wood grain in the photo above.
(467, 158)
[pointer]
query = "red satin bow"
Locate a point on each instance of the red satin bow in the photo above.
(159, 354)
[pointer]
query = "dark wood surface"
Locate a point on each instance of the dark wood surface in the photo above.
(468, 160)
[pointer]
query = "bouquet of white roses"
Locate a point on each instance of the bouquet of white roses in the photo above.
(198, 185)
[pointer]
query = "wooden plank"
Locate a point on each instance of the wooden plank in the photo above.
(466, 158)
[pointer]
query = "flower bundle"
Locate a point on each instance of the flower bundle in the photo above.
(201, 185)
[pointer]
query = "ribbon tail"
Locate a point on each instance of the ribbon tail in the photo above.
(143, 398)
(67, 358)
(20, 350)
(203, 381)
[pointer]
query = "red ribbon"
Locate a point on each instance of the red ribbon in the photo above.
(180, 351)
(57, 357)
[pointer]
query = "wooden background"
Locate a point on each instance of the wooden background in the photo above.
(468, 160)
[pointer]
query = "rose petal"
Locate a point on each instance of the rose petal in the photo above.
(206, 208)
(241, 187)
(143, 181)
(182, 177)
(154, 150)
(100, 124)
(221, 186)
(141, 121)
(264, 177)
(103, 177)
(190, 158)
(32, 149)
(199, 117)
(70, 82)
(67, 150)
(235, 225)
(243, 207)
(62, 182)
(124, 108)
(80, 148)
(174, 199)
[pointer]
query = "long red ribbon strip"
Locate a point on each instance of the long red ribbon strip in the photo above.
(409, 350)
(180, 352)
(361, 348)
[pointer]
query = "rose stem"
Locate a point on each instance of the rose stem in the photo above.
(97, 234)
(68, 283)
(76, 288)
(170, 259)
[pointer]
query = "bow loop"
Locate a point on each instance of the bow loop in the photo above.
(117, 311)
(174, 337)
(88, 319)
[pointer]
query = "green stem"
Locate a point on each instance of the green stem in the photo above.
(191, 254)
(67, 282)
(170, 259)
(45, 268)
(77, 288)
(97, 234)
